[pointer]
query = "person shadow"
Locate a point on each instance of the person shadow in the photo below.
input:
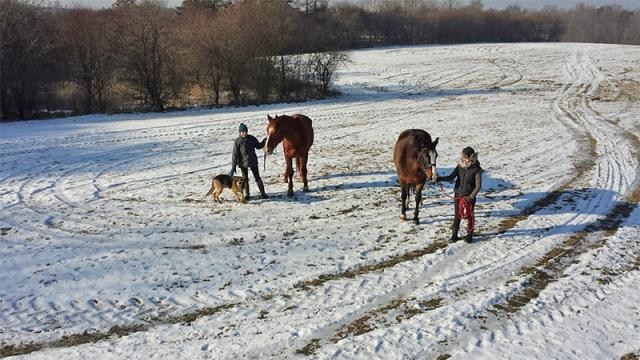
(606, 210)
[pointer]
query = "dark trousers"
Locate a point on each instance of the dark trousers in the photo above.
(256, 176)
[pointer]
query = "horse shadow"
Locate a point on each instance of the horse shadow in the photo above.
(354, 174)
(390, 180)
(345, 185)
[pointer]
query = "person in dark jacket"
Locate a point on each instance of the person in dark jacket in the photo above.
(468, 177)
(244, 156)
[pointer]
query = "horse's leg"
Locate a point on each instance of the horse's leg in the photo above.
(299, 176)
(419, 187)
(403, 209)
(289, 175)
(304, 172)
(288, 171)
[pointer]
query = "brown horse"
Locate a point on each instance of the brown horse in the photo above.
(296, 134)
(415, 157)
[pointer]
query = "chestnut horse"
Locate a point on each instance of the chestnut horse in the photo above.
(296, 134)
(414, 156)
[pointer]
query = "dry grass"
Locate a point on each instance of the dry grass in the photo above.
(310, 348)
(630, 356)
(625, 90)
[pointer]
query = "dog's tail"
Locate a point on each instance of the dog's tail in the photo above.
(210, 191)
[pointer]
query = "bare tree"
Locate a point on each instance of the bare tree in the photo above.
(147, 53)
(280, 37)
(203, 34)
(27, 56)
(124, 3)
(323, 67)
(236, 51)
(90, 65)
(451, 4)
(197, 6)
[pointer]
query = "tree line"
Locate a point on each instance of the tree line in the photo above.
(141, 55)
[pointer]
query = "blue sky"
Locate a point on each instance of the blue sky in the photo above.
(498, 4)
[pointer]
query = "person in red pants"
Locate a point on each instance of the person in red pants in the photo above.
(468, 177)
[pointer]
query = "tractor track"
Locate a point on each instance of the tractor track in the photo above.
(551, 265)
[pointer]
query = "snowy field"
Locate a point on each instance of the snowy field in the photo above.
(108, 249)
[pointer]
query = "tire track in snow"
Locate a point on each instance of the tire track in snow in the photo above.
(554, 262)
(552, 266)
(84, 310)
(582, 170)
(398, 301)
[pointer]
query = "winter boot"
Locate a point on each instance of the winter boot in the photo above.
(263, 195)
(469, 238)
(454, 229)
(246, 191)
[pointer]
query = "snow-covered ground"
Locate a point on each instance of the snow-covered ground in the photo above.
(109, 251)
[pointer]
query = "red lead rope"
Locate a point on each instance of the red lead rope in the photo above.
(465, 210)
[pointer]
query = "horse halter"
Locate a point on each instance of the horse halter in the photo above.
(426, 158)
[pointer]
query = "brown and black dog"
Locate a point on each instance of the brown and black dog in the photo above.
(220, 182)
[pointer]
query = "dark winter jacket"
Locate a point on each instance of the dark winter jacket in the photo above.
(468, 180)
(243, 153)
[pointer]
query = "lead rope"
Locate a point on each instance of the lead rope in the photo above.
(465, 210)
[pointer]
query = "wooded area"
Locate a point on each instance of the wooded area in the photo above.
(144, 56)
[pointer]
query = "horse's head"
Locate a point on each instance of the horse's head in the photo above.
(275, 134)
(428, 159)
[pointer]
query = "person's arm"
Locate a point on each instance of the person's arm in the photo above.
(259, 144)
(451, 176)
(476, 190)
(234, 159)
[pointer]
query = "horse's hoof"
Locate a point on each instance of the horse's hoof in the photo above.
(403, 217)
(290, 193)
(416, 221)
(305, 189)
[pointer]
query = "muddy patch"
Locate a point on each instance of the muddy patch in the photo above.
(364, 269)
(113, 332)
(391, 313)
